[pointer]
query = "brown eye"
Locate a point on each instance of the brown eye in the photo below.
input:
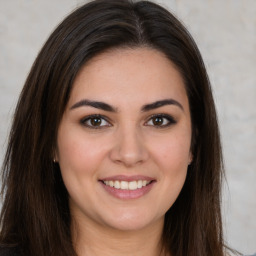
(95, 122)
(157, 121)
(160, 121)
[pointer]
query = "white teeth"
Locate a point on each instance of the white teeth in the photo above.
(117, 184)
(125, 185)
(133, 185)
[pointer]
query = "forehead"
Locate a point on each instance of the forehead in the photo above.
(129, 75)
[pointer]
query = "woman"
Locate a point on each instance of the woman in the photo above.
(115, 146)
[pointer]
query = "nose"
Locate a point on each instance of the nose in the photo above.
(129, 148)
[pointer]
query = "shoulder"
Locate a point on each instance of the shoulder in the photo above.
(7, 251)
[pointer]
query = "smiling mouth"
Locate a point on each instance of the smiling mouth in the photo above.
(127, 185)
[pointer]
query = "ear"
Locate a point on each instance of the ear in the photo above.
(55, 156)
(190, 158)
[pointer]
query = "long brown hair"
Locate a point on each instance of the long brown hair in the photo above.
(35, 214)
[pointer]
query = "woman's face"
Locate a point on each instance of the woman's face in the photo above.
(124, 140)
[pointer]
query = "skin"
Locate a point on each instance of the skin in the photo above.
(127, 141)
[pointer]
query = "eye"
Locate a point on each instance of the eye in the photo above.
(160, 121)
(95, 122)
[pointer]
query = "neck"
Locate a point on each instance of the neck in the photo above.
(97, 240)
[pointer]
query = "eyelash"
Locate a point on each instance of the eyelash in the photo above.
(170, 120)
(91, 117)
(167, 118)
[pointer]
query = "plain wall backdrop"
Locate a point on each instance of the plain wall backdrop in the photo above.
(225, 31)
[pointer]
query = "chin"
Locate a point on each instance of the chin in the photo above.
(130, 221)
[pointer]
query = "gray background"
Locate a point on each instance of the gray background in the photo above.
(225, 31)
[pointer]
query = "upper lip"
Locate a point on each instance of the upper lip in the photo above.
(128, 178)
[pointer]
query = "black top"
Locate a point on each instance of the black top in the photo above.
(4, 251)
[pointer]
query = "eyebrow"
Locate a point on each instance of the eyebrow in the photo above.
(109, 108)
(94, 104)
(161, 103)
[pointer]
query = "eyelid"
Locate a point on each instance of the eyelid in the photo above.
(170, 119)
(86, 118)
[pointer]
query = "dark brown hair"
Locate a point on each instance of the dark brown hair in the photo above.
(35, 214)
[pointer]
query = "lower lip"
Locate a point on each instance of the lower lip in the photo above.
(128, 194)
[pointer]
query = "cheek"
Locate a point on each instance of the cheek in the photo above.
(172, 157)
(172, 152)
(173, 163)
(78, 155)
(79, 158)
